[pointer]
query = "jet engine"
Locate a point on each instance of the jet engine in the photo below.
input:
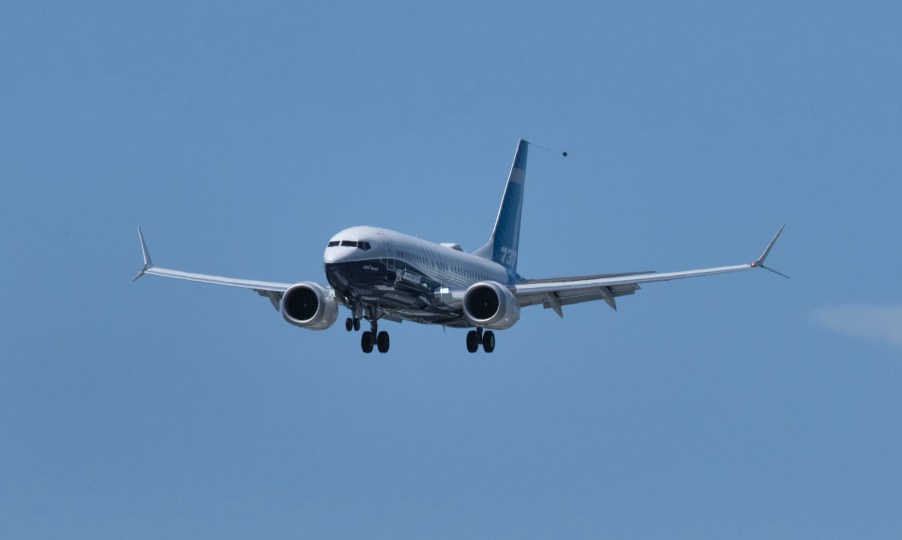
(488, 304)
(310, 306)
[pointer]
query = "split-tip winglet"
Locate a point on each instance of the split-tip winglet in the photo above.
(147, 262)
(760, 262)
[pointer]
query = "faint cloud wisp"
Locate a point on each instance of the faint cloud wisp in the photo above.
(877, 323)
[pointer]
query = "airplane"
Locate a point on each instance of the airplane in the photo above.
(382, 274)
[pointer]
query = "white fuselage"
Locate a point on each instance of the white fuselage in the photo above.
(405, 276)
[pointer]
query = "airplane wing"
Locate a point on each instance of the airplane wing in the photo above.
(270, 289)
(556, 293)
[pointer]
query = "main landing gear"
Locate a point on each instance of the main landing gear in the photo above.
(477, 337)
(369, 338)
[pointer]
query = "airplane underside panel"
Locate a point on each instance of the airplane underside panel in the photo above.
(395, 287)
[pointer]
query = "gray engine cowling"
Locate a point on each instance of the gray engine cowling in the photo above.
(488, 304)
(310, 306)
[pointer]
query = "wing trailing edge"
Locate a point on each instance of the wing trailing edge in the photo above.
(557, 292)
(262, 287)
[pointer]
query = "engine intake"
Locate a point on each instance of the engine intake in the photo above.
(489, 304)
(310, 306)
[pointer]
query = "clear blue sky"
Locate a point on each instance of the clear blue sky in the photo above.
(241, 137)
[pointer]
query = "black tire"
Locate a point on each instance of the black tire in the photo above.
(472, 341)
(366, 342)
(488, 341)
(349, 324)
(356, 324)
(382, 341)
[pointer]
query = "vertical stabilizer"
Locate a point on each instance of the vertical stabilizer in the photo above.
(505, 240)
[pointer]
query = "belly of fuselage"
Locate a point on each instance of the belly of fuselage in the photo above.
(390, 284)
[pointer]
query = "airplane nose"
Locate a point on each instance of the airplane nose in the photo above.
(338, 254)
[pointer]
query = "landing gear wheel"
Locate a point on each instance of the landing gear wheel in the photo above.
(366, 342)
(349, 324)
(382, 342)
(472, 341)
(356, 324)
(488, 341)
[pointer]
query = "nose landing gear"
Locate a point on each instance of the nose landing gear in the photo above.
(477, 337)
(352, 323)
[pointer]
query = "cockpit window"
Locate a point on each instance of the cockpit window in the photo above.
(351, 243)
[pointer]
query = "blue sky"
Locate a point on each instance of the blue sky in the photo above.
(241, 137)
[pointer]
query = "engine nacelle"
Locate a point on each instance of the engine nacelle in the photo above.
(489, 304)
(310, 306)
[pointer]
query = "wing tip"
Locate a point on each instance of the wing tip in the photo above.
(148, 263)
(760, 262)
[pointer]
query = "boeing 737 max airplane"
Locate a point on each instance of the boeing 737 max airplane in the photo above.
(381, 274)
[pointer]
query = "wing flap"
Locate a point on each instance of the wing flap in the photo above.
(553, 294)
(570, 279)
(567, 298)
(557, 292)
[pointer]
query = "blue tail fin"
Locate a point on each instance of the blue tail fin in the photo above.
(505, 240)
